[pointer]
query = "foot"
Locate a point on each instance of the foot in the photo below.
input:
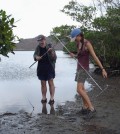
(44, 101)
(51, 102)
(90, 114)
(83, 111)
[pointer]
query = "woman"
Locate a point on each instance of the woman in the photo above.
(46, 57)
(84, 49)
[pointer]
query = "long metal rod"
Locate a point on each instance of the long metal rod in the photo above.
(32, 64)
(41, 57)
(78, 62)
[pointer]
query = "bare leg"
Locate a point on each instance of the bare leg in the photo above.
(85, 98)
(43, 89)
(51, 88)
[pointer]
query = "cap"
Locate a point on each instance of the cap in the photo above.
(74, 33)
(40, 37)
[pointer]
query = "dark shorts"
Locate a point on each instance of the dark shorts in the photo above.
(46, 77)
(45, 72)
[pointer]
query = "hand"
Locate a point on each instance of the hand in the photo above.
(104, 73)
(38, 58)
(49, 49)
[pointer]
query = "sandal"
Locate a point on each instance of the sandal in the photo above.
(44, 101)
(51, 102)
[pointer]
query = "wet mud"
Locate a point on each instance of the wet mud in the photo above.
(65, 119)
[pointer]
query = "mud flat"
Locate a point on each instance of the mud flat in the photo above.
(65, 119)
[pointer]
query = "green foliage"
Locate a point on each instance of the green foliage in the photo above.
(71, 46)
(7, 37)
(109, 33)
(102, 31)
(62, 33)
(80, 13)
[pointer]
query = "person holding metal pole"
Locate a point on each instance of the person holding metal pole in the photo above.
(45, 67)
(84, 49)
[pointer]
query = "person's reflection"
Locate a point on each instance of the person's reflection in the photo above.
(44, 109)
(52, 110)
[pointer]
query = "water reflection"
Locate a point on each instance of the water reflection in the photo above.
(45, 109)
(19, 83)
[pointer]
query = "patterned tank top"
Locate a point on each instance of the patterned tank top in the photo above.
(83, 56)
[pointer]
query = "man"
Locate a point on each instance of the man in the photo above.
(46, 57)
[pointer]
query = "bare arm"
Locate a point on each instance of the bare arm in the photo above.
(92, 52)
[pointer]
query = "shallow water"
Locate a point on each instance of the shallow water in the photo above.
(20, 87)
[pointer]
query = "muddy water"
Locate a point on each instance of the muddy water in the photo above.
(20, 87)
